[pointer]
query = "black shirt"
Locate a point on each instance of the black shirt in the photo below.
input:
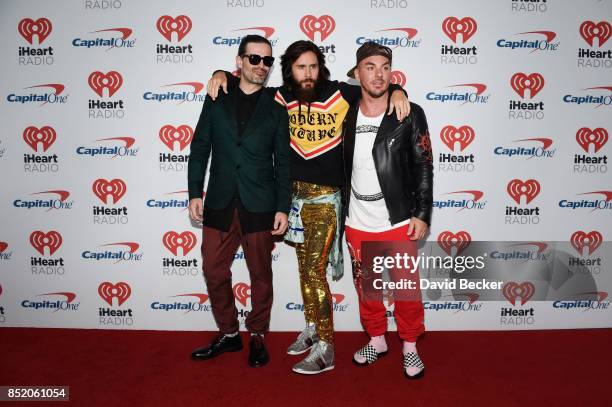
(250, 222)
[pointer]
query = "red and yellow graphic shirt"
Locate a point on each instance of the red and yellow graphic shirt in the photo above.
(315, 131)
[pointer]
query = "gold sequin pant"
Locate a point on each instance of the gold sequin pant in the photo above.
(319, 221)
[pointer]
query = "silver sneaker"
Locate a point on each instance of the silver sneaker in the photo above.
(305, 340)
(320, 359)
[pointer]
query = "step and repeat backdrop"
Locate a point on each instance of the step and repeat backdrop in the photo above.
(99, 100)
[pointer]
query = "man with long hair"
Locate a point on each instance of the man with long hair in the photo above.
(317, 107)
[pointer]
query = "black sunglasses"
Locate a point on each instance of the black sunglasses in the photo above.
(255, 59)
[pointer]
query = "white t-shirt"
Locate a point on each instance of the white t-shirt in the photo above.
(367, 208)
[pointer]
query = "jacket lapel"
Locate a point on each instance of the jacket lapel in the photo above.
(388, 122)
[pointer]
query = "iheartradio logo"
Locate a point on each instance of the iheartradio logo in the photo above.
(180, 26)
(590, 30)
(580, 240)
(587, 137)
(52, 240)
(452, 27)
(169, 135)
(3, 246)
(173, 240)
(242, 292)
(512, 291)
(45, 136)
(398, 78)
(99, 81)
(323, 25)
(460, 241)
(104, 190)
(121, 291)
(464, 135)
(28, 28)
(521, 82)
(517, 188)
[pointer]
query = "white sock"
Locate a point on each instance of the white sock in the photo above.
(378, 342)
(232, 335)
(411, 347)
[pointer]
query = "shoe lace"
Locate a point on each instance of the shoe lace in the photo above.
(317, 352)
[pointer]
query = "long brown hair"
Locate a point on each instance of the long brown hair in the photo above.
(293, 52)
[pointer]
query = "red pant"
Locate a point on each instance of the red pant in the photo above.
(409, 315)
(218, 249)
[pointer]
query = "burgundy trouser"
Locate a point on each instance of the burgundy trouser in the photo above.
(409, 315)
(218, 250)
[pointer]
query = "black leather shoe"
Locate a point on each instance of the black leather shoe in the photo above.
(219, 345)
(258, 354)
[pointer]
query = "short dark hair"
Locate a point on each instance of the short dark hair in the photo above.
(293, 52)
(247, 39)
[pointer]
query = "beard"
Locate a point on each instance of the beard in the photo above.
(376, 94)
(257, 79)
(306, 94)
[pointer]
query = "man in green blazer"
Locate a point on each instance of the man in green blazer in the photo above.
(247, 199)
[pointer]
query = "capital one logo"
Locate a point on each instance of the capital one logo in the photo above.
(169, 135)
(44, 136)
(597, 137)
(128, 141)
(3, 247)
(323, 25)
(521, 82)
(242, 292)
(52, 240)
(69, 296)
(517, 188)
(266, 31)
(398, 78)
(173, 240)
(181, 25)
(202, 298)
(451, 135)
(580, 240)
(452, 27)
(28, 28)
(121, 291)
(337, 298)
(99, 81)
(590, 30)
(105, 189)
(513, 291)
(460, 241)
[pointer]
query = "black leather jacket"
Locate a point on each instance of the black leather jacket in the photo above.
(403, 161)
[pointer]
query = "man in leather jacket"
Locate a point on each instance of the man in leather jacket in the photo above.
(388, 197)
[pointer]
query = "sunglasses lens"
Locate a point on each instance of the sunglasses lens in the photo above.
(254, 59)
(268, 61)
